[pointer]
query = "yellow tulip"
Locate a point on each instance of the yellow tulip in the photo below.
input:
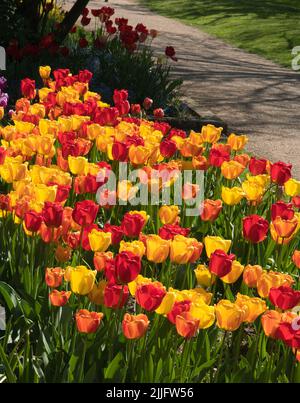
(292, 187)
(210, 133)
(82, 280)
(236, 270)
(99, 240)
(157, 248)
(138, 155)
(45, 193)
(135, 247)
(232, 196)
(253, 190)
(45, 72)
(77, 165)
(253, 307)
(213, 243)
(168, 214)
(166, 304)
(229, 315)
(205, 314)
(1, 112)
(204, 276)
(184, 250)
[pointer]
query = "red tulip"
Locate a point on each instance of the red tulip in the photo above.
(178, 308)
(168, 231)
(218, 156)
(3, 153)
(116, 233)
(150, 296)
(170, 52)
(283, 210)
(28, 88)
(85, 212)
(168, 148)
(52, 214)
(119, 151)
(132, 224)
(220, 263)
(289, 334)
(128, 266)
(158, 113)
(255, 228)
(280, 172)
(284, 297)
(148, 102)
(257, 166)
(33, 221)
(115, 296)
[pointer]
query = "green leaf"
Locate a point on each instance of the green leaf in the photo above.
(112, 368)
(8, 370)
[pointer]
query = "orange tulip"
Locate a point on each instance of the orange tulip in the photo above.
(242, 159)
(62, 254)
(100, 259)
(296, 258)
(186, 325)
(270, 321)
(211, 209)
(200, 162)
(285, 228)
(59, 298)
(251, 275)
(231, 169)
(88, 322)
(54, 276)
(135, 326)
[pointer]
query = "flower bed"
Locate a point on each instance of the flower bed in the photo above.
(183, 268)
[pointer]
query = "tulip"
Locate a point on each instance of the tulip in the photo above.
(220, 263)
(3, 153)
(242, 159)
(212, 243)
(127, 266)
(204, 313)
(285, 228)
(257, 166)
(237, 143)
(232, 196)
(157, 248)
(229, 315)
(167, 303)
(253, 307)
(236, 270)
(150, 296)
(288, 334)
(116, 233)
(28, 88)
(138, 155)
(251, 275)
(132, 224)
(283, 210)
(44, 72)
(296, 258)
(52, 214)
(270, 321)
(59, 298)
(284, 297)
(292, 187)
(54, 276)
(1, 117)
(280, 172)
(85, 212)
(270, 279)
(210, 133)
(231, 169)
(185, 250)
(100, 259)
(204, 277)
(211, 209)
(62, 254)
(82, 280)
(168, 148)
(135, 247)
(77, 165)
(168, 231)
(132, 286)
(255, 228)
(115, 296)
(253, 191)
(200, 162)
(96, 295)
(217, 157)
(33, 220)
(168, 214)
(88, 322)
(99, 240)
(134, 326)
(186, 325)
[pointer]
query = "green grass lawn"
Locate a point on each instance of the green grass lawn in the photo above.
(270, 28)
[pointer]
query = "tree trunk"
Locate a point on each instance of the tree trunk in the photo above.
(70, 18)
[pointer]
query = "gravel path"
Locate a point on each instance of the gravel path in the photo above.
(253, 95)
